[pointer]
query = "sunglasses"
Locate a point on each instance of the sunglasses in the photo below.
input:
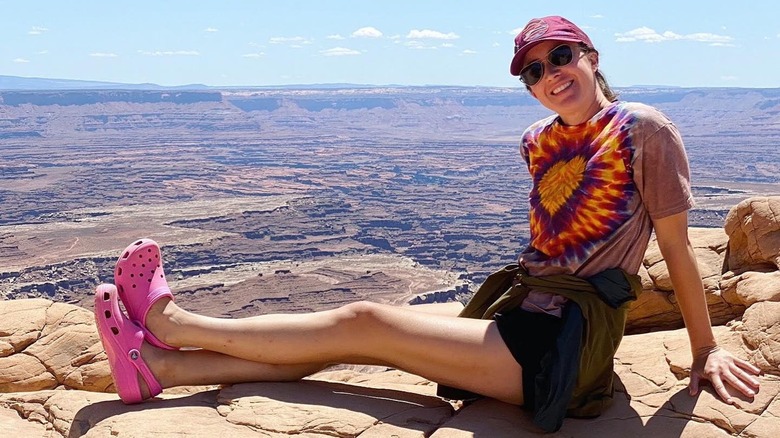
(559, 56)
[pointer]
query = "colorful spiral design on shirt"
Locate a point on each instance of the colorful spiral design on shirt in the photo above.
(582, 184)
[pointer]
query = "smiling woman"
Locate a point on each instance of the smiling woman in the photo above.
(606, 174)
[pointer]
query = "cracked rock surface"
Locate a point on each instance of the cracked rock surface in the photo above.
(55, 381)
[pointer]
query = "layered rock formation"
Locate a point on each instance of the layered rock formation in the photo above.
(54, 378)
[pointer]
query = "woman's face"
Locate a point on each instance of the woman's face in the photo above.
(570, 90)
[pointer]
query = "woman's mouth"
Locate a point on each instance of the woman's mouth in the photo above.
(562, 87)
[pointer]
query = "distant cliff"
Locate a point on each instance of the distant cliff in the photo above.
(64, 98)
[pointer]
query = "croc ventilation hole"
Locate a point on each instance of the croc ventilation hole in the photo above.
(107, 313)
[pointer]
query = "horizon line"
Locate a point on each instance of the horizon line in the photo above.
(119, 85)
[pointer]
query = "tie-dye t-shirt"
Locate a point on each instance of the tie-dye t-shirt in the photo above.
(596, 188)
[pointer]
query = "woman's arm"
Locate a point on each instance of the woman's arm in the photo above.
(709, 361)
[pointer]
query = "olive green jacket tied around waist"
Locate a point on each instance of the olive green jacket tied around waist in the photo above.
(579, 376)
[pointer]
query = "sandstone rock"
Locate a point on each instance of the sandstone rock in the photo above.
(760, 331)
(656, 307)
(651, 400)
(12, 425)
(768, 424)
(24, 373)
(311, 408)
(753, 227)
(662, 383)
(756, 286)
(48, 345)
(329, 408)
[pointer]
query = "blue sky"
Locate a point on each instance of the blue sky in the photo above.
(409, 42)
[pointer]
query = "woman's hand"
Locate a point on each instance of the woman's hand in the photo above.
(720, 367)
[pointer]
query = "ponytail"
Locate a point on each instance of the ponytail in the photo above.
(600, 79)
(605, 88)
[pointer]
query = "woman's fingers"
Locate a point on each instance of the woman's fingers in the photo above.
(693, 386)
(739, 382)
(745, 365)
(720, 389)
(743, 375)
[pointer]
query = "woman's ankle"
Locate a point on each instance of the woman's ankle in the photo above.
(160, 321)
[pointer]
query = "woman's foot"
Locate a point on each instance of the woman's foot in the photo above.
(140, 280)
(123, 341)
(162, 320)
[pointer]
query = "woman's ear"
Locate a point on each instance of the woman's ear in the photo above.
(593, 56)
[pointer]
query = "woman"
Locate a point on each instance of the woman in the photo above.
(605, 174)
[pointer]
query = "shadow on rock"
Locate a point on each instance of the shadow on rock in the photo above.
(92, 414)
(306, 407)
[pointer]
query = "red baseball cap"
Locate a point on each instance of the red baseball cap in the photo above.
(537, 30)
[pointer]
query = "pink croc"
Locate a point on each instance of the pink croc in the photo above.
(140, 280)
(122, 341)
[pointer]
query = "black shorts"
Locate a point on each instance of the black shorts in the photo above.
(529, 337)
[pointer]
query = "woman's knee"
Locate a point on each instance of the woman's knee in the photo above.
(360, 315)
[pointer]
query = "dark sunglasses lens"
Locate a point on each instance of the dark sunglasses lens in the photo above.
(532, 73)
(560, 56)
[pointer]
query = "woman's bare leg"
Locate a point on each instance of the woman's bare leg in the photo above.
(451, 308)
(459, 352)
(202, 367)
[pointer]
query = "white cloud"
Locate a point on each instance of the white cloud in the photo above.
(103, 55)
(298, 40)
(447, 45)
(21, 61)
(37, 30)
(515, 31)
(729, 78)
(597, 16)
(709, 38)
(170, 53)
(210, 29)
(367, 32)
(414, 44)
(431, 34)
(469, 52)
(339, 51)
(778, 35)
(649, 35)
(253, 55)
(398, 37)
(335, 37)
(639, 34)
(42, 52)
